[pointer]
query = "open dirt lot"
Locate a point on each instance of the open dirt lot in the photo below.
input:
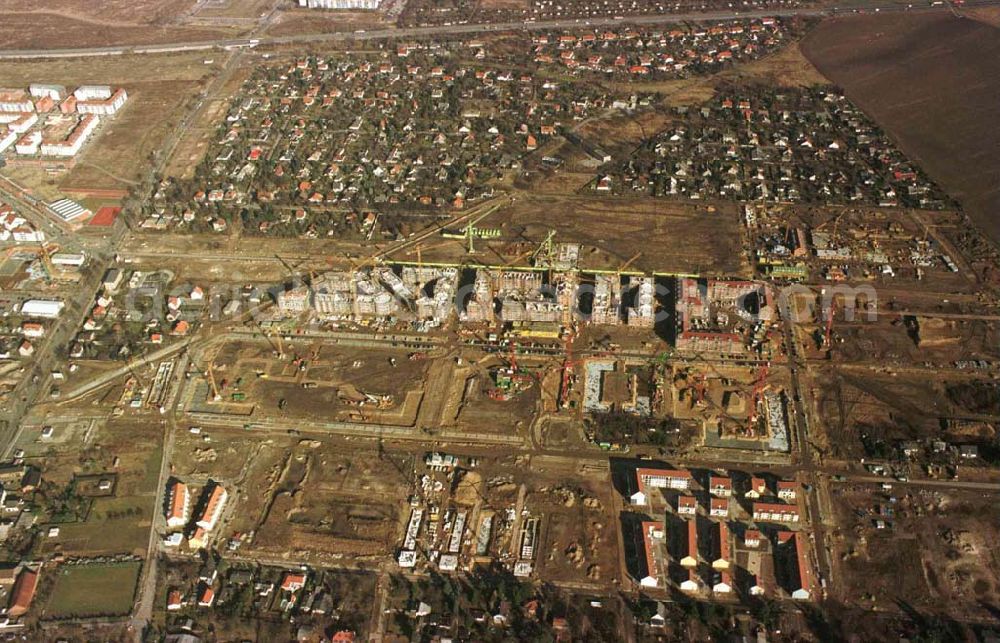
(328, 501)
(863, 411)
(331, 382)
(956, 569)
(915, 340)
(54, 30)
(110, 11)
(678, 237)
(932, 81)
(578, 535)
(319, 499)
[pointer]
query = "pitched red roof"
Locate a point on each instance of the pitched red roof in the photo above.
(23, 592)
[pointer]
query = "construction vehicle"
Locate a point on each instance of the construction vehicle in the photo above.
(509, 380)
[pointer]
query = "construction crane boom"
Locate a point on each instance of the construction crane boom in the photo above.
(628, 263)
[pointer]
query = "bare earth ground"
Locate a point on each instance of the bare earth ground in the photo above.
(937, 555)
(988, 15)
(933, 82)
(292, 23)
(55, 31)
(677, 237)
(131, 11)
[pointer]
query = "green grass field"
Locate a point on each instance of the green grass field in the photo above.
(93, 590)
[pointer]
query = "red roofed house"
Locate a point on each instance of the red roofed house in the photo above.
(213, 508)
(23, 592)
(293, 582)
(718, 508)
(691, 559)
(758, 488)
(775, 512)
(721, 547)
(175, 600)
(207, 598)
(343, 636)
(691, 584)
(725, 584)
(787, 489)
(32, 329)
(180, 504)
(720, 486)
(801, 581)
(651, 532)
(182, 327)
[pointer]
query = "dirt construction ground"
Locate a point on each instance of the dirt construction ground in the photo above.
(677, 237)
(287, 490)
(954, 533)
(859, 407)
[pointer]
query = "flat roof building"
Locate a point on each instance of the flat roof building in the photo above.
(44, 308)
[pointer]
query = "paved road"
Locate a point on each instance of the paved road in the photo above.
(446, 30)
(966, 485)
(110, 376)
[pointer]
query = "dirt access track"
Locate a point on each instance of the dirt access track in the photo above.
(932, 81)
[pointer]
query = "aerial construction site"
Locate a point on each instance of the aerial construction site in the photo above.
(411, 321)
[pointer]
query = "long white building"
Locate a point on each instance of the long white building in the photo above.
(15, 100)
(41, 90)
(44, 308)
(213, 508)
(105, 106)
(92, 92)
(8, 139)
(74, 142)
